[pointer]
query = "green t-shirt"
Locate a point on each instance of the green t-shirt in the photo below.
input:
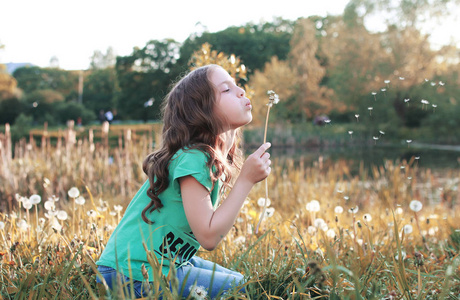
(170, 235)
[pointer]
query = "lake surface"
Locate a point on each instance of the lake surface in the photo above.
(428, 156)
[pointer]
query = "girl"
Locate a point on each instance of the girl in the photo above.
(177, 210)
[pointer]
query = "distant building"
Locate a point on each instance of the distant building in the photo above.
(11, 67)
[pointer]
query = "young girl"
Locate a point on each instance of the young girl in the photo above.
(177, 210)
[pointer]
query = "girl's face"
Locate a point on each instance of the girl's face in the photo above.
(232, 106)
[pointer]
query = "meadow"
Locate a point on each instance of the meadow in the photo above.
(391, 232)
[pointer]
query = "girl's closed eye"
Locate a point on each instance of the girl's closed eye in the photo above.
(226, 90)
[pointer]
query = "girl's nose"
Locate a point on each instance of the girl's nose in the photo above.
(241, 93)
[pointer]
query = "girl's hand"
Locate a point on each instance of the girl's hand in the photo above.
(257, 166)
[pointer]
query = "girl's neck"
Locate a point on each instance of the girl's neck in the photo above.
(229, 138)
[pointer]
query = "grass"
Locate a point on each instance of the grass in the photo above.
(362, 241)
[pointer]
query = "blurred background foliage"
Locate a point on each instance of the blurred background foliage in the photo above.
(333, 66)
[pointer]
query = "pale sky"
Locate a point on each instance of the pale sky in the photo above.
(35, 30)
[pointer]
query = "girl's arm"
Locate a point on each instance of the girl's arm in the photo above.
(209, 226)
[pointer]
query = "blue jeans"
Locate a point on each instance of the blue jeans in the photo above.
(198, 274)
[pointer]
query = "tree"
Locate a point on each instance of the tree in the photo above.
(312, 97)
(254, 44)
(8, 84)
(277, 75)
(100, 60)
(101, 88)
(144, 77)
(35, 78)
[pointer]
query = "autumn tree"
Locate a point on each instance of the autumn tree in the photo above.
(313, 98)
(277, 75)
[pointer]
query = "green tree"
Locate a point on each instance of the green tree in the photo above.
(35, 78)
(100, 89)
(144, 78)
(254, 44)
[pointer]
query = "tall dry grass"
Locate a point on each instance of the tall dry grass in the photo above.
(326, 234)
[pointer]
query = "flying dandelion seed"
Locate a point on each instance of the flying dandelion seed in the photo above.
(415, 205)
(387, 82)
(346, 198)
(399, 211)
(441, 83)
(424, 103)
(426, 80)
(434, 107)
(374, 94)
(407, 101)
(350, 132)
(376, 138)
(417, 157)
(327, 121)
(401, 78)
(370, 108)
(357, 117)
(381, 132)
(408, 142)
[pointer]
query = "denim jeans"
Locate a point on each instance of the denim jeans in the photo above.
(198, 275)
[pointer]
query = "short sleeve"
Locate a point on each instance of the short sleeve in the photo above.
(190, 163)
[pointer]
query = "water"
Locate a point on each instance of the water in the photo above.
(428, 156)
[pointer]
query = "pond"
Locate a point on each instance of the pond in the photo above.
(426, 156)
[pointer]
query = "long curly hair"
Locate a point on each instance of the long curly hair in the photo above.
(189, 121)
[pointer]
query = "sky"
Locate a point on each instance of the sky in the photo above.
(34, 31)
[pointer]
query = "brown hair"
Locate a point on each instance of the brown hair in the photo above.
(189, 121)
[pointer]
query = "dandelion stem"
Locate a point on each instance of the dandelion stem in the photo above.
(266, 182)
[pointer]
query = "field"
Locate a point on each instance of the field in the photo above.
(392, 232)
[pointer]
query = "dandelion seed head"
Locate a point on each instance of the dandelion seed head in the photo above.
(22, 225)
(2, 225)
(408, 141)
(407, 229)
(406, 100)
(49, 205)
(399, 211)
(35, 199)
(313, 206)
(80, 200)
(330, 233)
(415, 205)
(91, 213)
(424, 101)
(311, 230)
(374, 93)
(367, 217)
(383, 90)
(381, 132)
(120, 208)
(375, 138)
(370, 108)
(432, 83)
(441, 83)
(318, 223)
(387, 81)
(62, 215)
(73, 192)
(401, 78)
(261, 202)
(350, 132)
(269, 212)
(353, 210)
(26, 203)
(338, 209)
